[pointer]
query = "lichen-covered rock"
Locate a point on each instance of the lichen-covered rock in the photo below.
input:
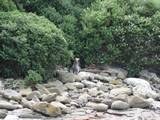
(119, 105)
(46, 109)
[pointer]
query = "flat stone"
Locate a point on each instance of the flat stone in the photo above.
(9, 106)
(25, 113)
(98, 106)
(119, 105)
(11, 94)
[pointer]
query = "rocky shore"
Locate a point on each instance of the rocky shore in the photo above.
(103, 95)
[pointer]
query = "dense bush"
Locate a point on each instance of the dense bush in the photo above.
(113, 32)
(7, 5)
(30, 42)
(33, 78)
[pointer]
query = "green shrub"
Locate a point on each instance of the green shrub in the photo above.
(33, 78)
(7, 5)
(113, 32)
(30, 42)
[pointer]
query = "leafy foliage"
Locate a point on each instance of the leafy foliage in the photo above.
(30, 42)
(7, 5)
(33, 78)
(114, 33)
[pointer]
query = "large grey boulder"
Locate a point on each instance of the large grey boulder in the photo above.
(46, 109)
(66, 77)
(11, 94)
(141, 87)
(151, 77)
(119, 105)
(138, 102)
(9, 106)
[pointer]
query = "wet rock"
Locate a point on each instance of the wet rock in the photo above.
(138, 102)
(9, 106)
(46, 109)
(98, 106)
(3, 113)
(11, 94)
(119, 105)
(34, 93)
(49, 97)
